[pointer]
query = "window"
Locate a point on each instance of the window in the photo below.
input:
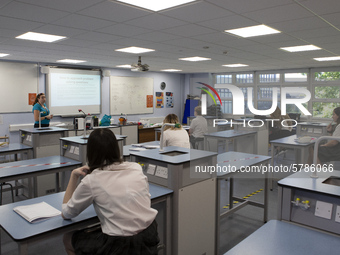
(244, 78)
(326, 92)
(269, 78)
(224, 79)
(327, 76)
(324, 110)
(295, 77)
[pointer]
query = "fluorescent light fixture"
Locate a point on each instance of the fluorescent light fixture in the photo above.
(156, 5)
(40, 37)
(235, 65)
(124, 66)
(73, 61)
(328, 58)
(195, 59)
(301, 48)
(135, 50)
(171, 70)
(3, 55)
(253, 31)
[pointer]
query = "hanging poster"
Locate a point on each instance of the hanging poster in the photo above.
(169, 100)
(149, 101)
(159, 100)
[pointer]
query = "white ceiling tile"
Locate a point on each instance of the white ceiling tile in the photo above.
(157, 37)
(198, 12)
(113, 11)
(31, 13)
(59, 30)
(229, 22)
(279, 13)
(64, 5)
(242, 6)
(97, 37)
(189, 30)
(83, 22)
(333, 19)
(322, 7)
(124, 30)
(300, 24)
(156, 22)
(18, 24)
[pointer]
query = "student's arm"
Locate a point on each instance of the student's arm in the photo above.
(330, 143)
(72, 184)
(36, 116)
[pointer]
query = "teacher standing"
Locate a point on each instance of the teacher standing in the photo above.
(40, 108)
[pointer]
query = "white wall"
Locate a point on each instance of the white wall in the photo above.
(175, 83)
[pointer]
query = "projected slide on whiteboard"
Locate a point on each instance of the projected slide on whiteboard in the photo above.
(128, 95)
(70, 90)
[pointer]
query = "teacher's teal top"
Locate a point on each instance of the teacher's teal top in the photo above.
(44, 112)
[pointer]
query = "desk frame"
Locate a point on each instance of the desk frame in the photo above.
(244, 202)
(92, 219)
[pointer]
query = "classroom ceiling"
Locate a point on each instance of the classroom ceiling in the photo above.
(95, 28)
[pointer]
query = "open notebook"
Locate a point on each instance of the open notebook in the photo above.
(36, 212)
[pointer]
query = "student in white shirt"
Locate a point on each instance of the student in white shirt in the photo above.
(331, 150)
(119, 192)
(198, 126)
(175, 136)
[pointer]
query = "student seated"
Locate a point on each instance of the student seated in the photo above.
(198, 126)
(278, 130)
(329, 151)
(119, 192)
(174, 136)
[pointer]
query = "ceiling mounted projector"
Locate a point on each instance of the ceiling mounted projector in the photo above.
(139, 67)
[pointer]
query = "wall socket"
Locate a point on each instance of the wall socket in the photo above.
(337, 214)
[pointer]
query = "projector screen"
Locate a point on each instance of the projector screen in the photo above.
(69, 90)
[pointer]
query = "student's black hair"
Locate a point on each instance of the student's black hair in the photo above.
(36, 100)
(102, 149)
(337, 112)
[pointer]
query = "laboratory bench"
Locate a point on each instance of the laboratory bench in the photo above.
(25, 233)
(314, 202)
(193, 192)
(282, 238)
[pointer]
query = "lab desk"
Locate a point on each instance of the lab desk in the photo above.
(244, 141)
(323, 196)
(290, 142)
(45, 142)
(235, 163)
(33, 168)
(25, 233)
(15, 149)
(313, 129)
(194, 192)
(75, 147)
(282, 238)
(128, 148)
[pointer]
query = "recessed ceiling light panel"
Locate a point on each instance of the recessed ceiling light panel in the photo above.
(253, 31)
(235, 65)
(171, 70)
(156, 5)
(3, 55)
(194, 59)
(124, 66)
(32, 36)
(301, 48)
(328, 58)
(134, 50)
(73, 61)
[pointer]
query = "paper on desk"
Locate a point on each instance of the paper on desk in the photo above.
(137, 149)
(151, 146)
(36, 212)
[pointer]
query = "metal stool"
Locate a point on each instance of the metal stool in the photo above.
(199, 141)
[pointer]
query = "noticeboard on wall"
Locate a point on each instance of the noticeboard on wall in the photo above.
(130, 95)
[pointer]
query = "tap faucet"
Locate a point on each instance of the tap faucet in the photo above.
(85, 118)
(40, 119)
(177, 125)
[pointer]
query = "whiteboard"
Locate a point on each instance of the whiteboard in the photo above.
(128, 95)
(17, 80)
